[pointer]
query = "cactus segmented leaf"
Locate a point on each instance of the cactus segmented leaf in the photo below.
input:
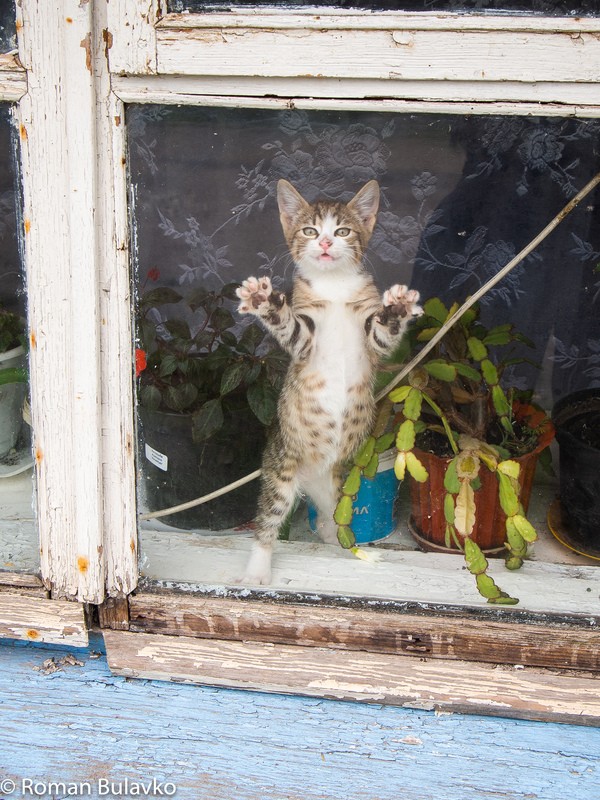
(524, 527)
(504, 600)
(451, 482)
(500, 401)
(364, 455)
(509, 467)
(515, 542)
(352, 482)
(441, 370)
(436, 309)
(427, 334)
(467, 465)
(448, 537)
(419, 378)
(449, 510)
(346, 537)
(405, 440)
(513, 562)
(416, 468)
(412, 404)
(400, 466)
(464, 511)
(343, 511)
(487, 588)
(496, 336)
(400, 394)
(477, 349)
(467, 371)
(385, 442)
(489, 372)
(476, 561)
(509, 500)
(371, 469)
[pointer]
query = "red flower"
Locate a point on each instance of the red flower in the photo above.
(140, 362)
(153, 274)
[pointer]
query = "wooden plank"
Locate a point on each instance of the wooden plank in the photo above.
(409, 97)
(423, 636)
(22, 583)
(130, 29)
(176, 558)
(13, 80)
(38, 620)
(21, 579)
(116, 336)
(439, 685)
(453, 55)
(342, 19)
(58, 146)
(81, 723)
(114, 614)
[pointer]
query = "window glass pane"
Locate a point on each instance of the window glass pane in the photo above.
(544, 7)
(19, 550)
(7, 26)
(460, 196)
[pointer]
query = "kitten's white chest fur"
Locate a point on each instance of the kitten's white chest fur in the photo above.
(339, 353)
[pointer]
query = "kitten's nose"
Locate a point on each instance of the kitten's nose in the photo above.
(325, 244)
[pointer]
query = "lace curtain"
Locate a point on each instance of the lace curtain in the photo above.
(460, 196)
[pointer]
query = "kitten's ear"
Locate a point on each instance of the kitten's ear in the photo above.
(365, 203)
(290, 202)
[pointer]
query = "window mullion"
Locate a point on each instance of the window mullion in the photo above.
(58, 138)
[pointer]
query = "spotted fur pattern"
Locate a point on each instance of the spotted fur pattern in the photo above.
(336, 329)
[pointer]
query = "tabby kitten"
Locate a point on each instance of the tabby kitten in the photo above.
(336, 329)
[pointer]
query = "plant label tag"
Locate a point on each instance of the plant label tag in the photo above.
(158, 459)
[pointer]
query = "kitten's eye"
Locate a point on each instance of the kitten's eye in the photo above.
(312, 233)
(342, 232)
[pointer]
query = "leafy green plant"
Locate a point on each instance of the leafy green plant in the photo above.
(12, 334)
(195, 358)
(12, 331)
(454, 404)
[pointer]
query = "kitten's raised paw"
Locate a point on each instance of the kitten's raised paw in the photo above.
(253, 293)
(402, 301)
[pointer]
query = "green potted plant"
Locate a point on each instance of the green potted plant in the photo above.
(13, 378)
(468, 444)
(207, 388)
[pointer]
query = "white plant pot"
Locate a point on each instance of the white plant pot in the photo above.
(12, 398)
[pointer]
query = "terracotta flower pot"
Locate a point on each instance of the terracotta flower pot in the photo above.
(428, 523)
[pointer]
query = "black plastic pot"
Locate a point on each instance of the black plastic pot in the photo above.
(174, 469)
(577, 421)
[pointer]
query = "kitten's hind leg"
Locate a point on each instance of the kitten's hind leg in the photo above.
(278, 492)
(324, 489)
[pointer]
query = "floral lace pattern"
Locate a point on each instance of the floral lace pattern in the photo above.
(460, 197)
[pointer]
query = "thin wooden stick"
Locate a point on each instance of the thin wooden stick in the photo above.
(470, 301)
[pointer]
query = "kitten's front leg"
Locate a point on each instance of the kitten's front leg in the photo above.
(293, 332)
(386, 328)
(258, 297)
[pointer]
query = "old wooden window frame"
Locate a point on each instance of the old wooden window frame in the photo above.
(77, 67)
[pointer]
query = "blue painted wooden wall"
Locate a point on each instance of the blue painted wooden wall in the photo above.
(81, 724)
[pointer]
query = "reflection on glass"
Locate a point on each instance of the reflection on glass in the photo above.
(459, 197)
(7, 26)
(18, 534)
(540, 7)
